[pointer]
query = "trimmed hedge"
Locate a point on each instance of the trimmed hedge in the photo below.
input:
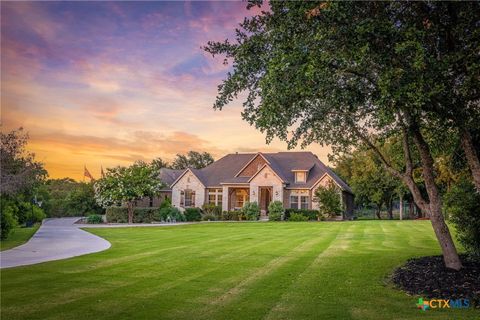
(297, 217)
(310, 214)
(140, 215)
(232, 216)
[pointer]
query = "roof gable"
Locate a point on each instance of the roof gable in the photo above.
(252, 166)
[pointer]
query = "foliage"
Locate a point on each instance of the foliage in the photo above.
(251, 210)
(192, 159)
(68, 198)
(370, 181)
(94, 219)
(167, 203)
(329, 200)
(140, 215)
(338, 73)
(127, 184)
(34, 214)
(309, 213)
(192, 214)
(7, 221)
(209, 217)
(211, 209)
(169, 214)
(159, 163)
(232, 216)
(20, 172)
(297, 217)
(462, 203)
(275, 211)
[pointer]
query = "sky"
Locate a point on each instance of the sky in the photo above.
(108, 83)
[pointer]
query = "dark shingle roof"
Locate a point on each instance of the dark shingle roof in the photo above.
(168, 176)
(224, 170)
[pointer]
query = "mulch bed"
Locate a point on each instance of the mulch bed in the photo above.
(429, 278)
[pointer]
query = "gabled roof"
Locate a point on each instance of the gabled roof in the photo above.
(168, 176)
(224, 170)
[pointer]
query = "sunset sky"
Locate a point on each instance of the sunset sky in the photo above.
(108, 83)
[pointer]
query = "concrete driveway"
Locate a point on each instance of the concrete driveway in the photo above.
(56, 239)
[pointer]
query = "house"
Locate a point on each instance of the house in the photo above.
(290, 177)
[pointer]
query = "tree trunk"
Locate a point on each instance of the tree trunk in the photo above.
(472, 157)
(401, 207)
(434, 208)
(130, 212)
(390, 209)
(377, 212)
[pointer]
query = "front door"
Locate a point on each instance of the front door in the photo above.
(265, 199)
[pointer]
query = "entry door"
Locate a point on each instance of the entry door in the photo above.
(265, 198)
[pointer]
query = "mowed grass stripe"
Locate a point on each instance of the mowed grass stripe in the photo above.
(342, 276)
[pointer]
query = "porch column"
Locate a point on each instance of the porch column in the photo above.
(225, 196)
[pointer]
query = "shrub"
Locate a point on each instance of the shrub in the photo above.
(251, 210)
(310, 213)
(167, 203)
(8, 221)
(94, 219)
(211, 209)
(297, 217)
(329, 200)
(116, 214)
(462, 203)
(193, 214)
(275, 211)
(169, 214)
(232, 215)
(35, 214)
(208, 217)
(275, 216)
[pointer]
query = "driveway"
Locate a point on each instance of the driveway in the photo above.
(56, 239)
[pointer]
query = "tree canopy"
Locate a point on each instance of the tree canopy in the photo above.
(339, 72)
(192, 159)
(125, 185)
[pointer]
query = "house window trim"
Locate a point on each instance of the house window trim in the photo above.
(183, 198)
(217, 193)
(298, 195)
(304, 180)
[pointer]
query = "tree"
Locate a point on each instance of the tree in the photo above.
(337, 73)
(20, 172)
(369, 180)
(192, 159)
(329, 200)
(125, 185)
(159, 163)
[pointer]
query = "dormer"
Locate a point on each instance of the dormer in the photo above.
(301, 176)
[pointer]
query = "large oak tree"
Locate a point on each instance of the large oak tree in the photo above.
(339, 72)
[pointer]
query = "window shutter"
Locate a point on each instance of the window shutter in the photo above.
(193, 198)
(182, 198)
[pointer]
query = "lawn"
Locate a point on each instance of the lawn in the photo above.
(329, 270)
(18, 236)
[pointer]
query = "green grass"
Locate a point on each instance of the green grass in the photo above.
(329, 270)
(18, 237)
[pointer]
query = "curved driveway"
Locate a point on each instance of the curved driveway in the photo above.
(56, 239)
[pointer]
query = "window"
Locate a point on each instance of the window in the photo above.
(215, 196)
(299, 199)
(241, 196)
(187, 198)
(303, 202)
(300, 176)
(294, 202)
